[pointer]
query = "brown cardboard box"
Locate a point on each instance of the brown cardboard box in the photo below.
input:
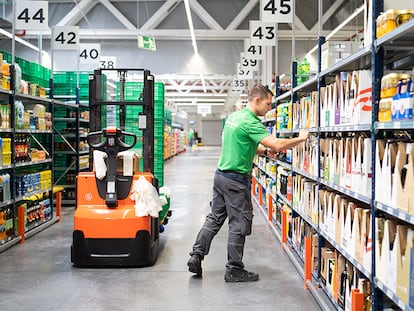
(404, 250)
(120, 163)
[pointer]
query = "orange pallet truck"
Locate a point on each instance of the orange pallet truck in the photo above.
(107, 232)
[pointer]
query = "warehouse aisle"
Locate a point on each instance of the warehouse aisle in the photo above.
(38, 275)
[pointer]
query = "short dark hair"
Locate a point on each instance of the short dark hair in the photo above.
(260, 91)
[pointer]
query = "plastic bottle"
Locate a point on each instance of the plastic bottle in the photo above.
(18, 77)
(19, 113)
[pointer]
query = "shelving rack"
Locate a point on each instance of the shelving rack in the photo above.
(27, 193)
(391, 52)
(71, 127)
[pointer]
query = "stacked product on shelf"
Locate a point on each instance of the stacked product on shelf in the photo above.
(71, 115)
(133, 92)
(352, 181)
(26, 143)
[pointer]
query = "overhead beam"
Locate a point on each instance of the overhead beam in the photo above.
(242, 14)
(119, 16)
(160, 15)
(204, 15)
(182, 34)
(329, 12)
(77, 13)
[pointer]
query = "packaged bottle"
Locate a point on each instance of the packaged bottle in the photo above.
(19, 114)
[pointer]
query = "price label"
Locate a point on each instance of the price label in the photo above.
(32, 15)
(89, 53)
(107, 62)
(65, 38)
(253, 51)
(276, 11)
(244, 74)
(248, 64)
(263, 34)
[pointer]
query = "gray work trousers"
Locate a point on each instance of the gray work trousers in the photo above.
(232, 199)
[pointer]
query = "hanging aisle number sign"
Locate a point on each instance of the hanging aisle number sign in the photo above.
(244, 74)
(248, 63)
(107, 62)
(263, 34)
(65, 38)
(276, 11)
(253, 51)
(89, 53)
(238, 85)
(32, 15)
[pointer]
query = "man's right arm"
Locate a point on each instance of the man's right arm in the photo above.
(279, 144)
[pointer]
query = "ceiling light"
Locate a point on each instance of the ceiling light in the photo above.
(191, 26)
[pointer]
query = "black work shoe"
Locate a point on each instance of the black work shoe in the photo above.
(240, 276)
(194, 265)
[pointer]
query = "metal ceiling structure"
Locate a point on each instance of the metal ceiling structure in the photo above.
(214, 20)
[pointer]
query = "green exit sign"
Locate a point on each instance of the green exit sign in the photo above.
(147, 42)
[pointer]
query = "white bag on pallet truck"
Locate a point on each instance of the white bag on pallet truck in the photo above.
(147, 200)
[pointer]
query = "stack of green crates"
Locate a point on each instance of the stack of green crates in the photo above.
(31, 72)
(65, 83)
(133, 92)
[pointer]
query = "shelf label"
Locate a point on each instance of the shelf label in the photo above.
(65, 38)
(32, 15)
(89, 53)
(276, 11)
(263, 34)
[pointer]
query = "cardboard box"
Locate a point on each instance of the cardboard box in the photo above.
(404, 250)
(402, 196)
(386, 252)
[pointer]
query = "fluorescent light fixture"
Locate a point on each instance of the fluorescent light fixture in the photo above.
(339, 27)
(191, 26)
(193, 38)
(282, 76)
(20, 40)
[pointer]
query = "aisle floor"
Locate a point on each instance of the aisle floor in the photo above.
(38, 274)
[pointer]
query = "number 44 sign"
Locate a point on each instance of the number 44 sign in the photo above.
(32, 15)
(276, 11)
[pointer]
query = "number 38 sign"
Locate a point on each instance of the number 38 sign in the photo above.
(276, 11)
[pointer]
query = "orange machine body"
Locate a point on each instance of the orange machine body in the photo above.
(96, 220)
(111, 236)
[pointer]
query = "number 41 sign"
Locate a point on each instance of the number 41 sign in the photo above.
(276, 11)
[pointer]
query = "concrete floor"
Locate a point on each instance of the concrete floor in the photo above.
(38, 274)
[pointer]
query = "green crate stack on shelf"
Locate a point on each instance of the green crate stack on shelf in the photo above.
(65, 83)
(133, 91)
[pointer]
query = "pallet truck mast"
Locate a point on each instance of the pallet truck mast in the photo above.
(107, 231)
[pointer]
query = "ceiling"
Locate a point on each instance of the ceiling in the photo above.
(213, 20)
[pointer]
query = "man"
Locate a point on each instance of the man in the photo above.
(242, 134)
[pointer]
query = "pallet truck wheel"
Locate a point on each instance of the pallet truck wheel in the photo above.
(162, 228)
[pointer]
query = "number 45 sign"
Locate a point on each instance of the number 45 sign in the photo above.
(276, 11)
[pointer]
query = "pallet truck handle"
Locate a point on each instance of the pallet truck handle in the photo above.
(111, 145)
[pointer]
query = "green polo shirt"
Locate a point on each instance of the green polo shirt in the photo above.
(241, 135)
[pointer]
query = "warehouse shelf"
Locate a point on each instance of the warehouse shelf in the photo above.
(390, 294)
(404, 216)
(346, 191)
